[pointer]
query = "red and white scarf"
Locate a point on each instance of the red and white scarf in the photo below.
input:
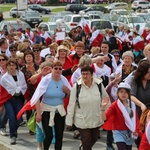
(130, 122)
(42, 87)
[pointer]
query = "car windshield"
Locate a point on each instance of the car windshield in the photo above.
(52, 27)
(78, 19)
(15, 25)
(32, 14)
(105, 24)
(114, 17)
(122, 12)
(54, 18)
(101, 24)
(145, 17)
(136, 20)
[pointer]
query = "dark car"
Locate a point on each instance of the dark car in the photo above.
(31, 18)
(75, 8)
(6, 25)
(96, 8)
(40, 9)
(7, 1)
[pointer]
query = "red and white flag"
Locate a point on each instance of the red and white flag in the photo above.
(83, 23)
(142, 32)
(47, 38)
(96, 39)
(138, 43)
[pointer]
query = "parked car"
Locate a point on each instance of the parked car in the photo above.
(147, 25)
(96, 8)
(140, 4)
(94, 16)
(50, 27)
(95, 13)
(145, 16)
(31, 18)
(119, 5)
(7, 24)
(17, 13)
(119, 12)
(53, 18)
(39, 8)
(72, 20)
(7, 1)
(75, 8)
(131, 21)
(113, 19)
(100, 24)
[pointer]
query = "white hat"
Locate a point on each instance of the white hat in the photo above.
(124, 86)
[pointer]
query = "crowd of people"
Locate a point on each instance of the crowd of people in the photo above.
(86, 82)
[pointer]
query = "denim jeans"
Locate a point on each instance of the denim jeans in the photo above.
(3, 119)
(12, 107)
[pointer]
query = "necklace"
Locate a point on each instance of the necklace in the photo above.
(56, 83)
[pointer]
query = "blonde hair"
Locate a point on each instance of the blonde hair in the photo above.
(95, 49)
(146, 48)
(85, 61)
(44, 64)
(22, 46)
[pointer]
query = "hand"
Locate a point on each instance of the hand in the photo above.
(135, 133)
(66, 90)
(74, 68)
(143, 107)
(46, 70)
(1, 108)
(106, 58)
(38, 117)
(105, 102)
(117, 78)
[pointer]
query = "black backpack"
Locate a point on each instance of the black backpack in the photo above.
(78, 89)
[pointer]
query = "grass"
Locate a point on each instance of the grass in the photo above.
(58, 9)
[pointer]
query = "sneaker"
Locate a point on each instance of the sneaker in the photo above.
(13, 141)
(3, 132)
(22, 123)
(76, 134)
(110, 147)
(39, 148)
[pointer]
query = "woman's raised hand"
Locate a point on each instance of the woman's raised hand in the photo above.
(105, 102)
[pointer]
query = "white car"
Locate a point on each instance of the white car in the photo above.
(17, 13)
(140, 4)
(100, 24)
(72, 20)
(119, 5)
(131, 21)
(50, 27)
(119, 12)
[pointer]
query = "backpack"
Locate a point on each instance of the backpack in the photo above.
(78, 89)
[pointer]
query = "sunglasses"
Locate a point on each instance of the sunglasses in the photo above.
(116, 55)
(2, 59)
(13, 50)
(58, 68)
(36, 51)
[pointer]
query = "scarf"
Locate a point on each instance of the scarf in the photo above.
(42, 87)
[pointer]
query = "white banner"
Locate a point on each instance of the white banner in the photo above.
(22, 4)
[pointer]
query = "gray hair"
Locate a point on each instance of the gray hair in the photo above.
(85, 61)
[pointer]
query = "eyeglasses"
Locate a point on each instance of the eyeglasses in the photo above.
(36, 51)
(13, 50)
(58, 68)
(2, 59)
(116, 55)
